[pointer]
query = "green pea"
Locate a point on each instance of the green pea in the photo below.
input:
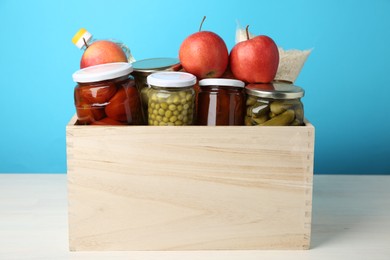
(176, 99)
(173, 119)
(161, 112)
(172, 107)
(164, 105)
(182, 94)
(168, 113)
(178, 122)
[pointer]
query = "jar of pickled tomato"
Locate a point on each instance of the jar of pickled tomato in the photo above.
(106, 94)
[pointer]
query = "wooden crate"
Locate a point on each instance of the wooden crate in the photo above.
(189, 187)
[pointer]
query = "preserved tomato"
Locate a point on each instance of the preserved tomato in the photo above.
(125, 105)
(107, 91)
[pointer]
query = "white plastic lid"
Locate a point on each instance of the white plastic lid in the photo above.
(102, 72)
(222, 82)
(171, 79)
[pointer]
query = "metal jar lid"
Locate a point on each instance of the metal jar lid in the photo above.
(155, 64)
(277, 90)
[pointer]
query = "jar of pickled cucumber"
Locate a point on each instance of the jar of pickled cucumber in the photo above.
(221, 102)
(171, 98)
(276, 104)
(143, 68)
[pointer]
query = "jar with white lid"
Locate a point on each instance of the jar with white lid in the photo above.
(143, 68)
(171, 100)
(106, 95)
(274, 104)
(221, 102)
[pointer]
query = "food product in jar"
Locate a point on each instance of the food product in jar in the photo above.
(171, 98)
(107, 91)
(221, 102)
(143, 68)
(277, 104)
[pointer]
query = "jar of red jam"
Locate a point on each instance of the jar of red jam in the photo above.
(106, 95)
(221, 102)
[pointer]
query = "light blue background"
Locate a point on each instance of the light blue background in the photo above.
(346, 78)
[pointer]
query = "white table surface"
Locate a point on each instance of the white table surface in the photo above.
(351, 220)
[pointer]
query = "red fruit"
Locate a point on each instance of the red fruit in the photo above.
(125, 105)
(101, 52)
(88, 114)
(255, 60)
(204, 54)
(95, 93)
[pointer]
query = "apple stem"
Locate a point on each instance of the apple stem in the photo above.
(86, 44)
(200, 27)
(247, 32)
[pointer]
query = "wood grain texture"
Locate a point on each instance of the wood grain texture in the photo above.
(190, 187)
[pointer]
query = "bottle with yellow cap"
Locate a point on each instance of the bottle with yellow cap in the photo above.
(82, 39)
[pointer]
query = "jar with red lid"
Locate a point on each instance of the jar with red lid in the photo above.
(106, 95)
(221, 102)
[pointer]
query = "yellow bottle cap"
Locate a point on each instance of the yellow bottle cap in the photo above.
(80, 36)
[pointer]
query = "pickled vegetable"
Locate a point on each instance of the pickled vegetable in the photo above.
(171, 108)
(266, 112)
(285, 118)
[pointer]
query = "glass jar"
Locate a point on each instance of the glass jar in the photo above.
(221, 102)
(277, 104)
(171, 98)
(143, 68)
(106, 95)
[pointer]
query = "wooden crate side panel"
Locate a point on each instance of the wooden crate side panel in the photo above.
(147, 188)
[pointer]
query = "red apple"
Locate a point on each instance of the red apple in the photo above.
(255, 60)
(101, 52)
(204, 54)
